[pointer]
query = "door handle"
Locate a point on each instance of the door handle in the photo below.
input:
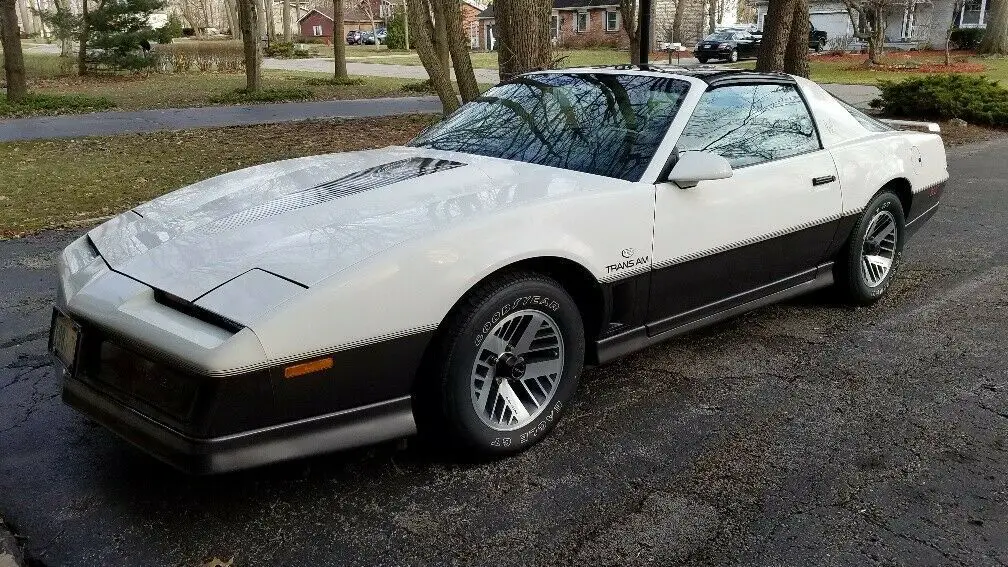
(823, 180)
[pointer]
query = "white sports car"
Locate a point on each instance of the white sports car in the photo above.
(460, 283)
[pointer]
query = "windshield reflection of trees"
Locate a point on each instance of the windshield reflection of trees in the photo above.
(751, 124)
(601, 123)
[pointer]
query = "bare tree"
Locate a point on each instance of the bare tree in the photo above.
(10, 35)
(631, 25)
(677, 20)
(957, 7)
(711, 15)
(288, 31)
(426, 40)
(868, 18)
(523, 39)
(458, 49)
(270, 22)
(776, 35)
(796, 55)
(995, 39)
(745, 12)
(248, 16)
(231, 7)
(339, 42)
(369, 12)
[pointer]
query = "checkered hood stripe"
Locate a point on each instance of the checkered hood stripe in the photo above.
(359, 182)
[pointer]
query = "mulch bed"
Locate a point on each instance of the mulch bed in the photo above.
(930, 61)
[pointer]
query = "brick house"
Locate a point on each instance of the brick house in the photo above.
(318, 22)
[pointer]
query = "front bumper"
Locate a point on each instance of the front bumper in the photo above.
(331, 432)
(713, 53)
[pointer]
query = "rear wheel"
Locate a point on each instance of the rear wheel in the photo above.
(873, 251)
(702, 59)
(820, 45)
(509, 363)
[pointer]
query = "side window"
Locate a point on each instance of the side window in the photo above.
(750, 124)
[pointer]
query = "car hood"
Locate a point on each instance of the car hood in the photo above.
(301, 220)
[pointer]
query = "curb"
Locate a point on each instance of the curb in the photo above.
(10, 552)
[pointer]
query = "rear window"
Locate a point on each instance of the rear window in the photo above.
(868, 122)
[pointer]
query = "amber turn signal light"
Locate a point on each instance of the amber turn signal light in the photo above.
(308, 367)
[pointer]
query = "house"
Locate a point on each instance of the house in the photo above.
(573, 23)
(920, 22)
(318, 22)
(599, 23)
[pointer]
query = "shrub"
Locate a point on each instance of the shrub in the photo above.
(396, 32)
(183, 56)
(54, 104)
(839, 45)
(971, 98)
(967, 38)
(283, 49)
(171, 29)
(270, 94)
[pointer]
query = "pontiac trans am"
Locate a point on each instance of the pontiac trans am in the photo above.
(458, 285)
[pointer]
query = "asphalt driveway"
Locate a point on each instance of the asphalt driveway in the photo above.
(809, 433)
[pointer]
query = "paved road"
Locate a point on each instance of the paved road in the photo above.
(131, 122)
(804, 434)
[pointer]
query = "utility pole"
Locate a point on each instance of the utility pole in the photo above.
(644, 30)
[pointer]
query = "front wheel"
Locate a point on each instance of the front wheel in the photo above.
(733, 56)
(509, 363)
(873, 251)
(702, 60)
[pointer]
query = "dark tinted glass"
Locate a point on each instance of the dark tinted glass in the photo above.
(605, 124)
(868, 122)
(750, 124)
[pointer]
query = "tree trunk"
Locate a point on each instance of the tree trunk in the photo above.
(339, 41)
(85, 31)
(522, 29)
(13, 58)
(440, 38)
(288, 31)
(877, 40)
(776, 33)
(796, 56)
(270, 23)
(419, 14)
(458, 47)
(233, 20)
(26, 17)
(260, 18)
(248, 16)
(631, 25)
(677, 21)
(711, 16)
(995, 39)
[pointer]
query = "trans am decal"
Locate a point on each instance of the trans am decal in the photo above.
(366, 180)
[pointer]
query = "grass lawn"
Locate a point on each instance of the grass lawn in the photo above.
(852, 70)
(54, 183)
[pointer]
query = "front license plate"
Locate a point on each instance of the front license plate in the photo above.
(64, 339)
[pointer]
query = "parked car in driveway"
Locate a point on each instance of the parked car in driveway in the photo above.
(353, 37)
(817, 37)
(458, 284)
(728, 45)
(369, 38)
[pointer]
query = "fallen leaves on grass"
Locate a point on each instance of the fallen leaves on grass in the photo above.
(54, 183)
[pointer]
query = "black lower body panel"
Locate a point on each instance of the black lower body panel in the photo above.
(340, 430)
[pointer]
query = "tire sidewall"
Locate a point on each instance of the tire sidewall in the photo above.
(733, 57)
(883, 202)
(527, 294)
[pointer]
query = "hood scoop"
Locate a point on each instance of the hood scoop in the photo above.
(366, 180)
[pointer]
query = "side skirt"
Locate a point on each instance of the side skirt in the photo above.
(611, 348)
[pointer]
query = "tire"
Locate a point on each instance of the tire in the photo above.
(733, 56)
(702, 60)
(820, 46)
(488, 392)
(876, 240)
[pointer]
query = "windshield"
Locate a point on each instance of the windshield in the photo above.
(600, 123)
(720, 36)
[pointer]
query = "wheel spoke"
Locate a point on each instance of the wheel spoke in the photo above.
(513, 402)
(532, 326)
(880, 262)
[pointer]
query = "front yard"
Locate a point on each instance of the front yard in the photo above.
(56, 183)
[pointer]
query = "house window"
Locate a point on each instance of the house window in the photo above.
(611, 21)
(317, 31)
(581, 22)
(554, 27)
(385, 10)
(973, 14)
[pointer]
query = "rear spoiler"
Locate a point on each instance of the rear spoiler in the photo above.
(911, 125)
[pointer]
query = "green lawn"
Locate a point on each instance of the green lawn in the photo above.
(852, 70)
(54, 183)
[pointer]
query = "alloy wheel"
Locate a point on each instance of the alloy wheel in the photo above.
(879, 249)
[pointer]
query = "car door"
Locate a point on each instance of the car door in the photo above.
(746, 45)
(725, 242)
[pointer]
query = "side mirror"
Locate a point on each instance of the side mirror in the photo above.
(694, 167)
